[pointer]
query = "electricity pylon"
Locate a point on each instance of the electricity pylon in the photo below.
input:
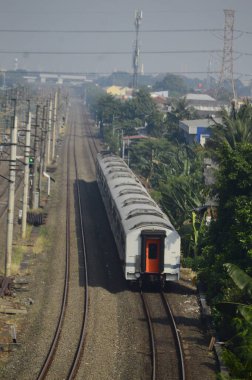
(227, 56)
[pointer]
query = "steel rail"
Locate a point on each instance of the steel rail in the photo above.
(51, 353)
(176, 335)
(167, 308)
(77, 356)
(182, 374)
(152, 338)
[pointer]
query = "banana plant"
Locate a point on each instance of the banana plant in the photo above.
(237, 353)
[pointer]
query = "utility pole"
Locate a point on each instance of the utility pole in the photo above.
(26, 172)
(54, 124)
(34, 198)
(11, 201)
(42, 150)
(227, 56)
(48, 159)
(136, 53)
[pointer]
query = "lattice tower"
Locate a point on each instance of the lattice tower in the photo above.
(227, 56)
(136, 53)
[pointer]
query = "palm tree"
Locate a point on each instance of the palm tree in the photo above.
(234, 129)
(182, 110)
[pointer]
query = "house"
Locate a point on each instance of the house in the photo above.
(204, 104)
(197, 130)
(121, 92)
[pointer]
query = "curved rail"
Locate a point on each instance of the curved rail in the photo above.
(75, 363)
(178, 344)
(79, 350)
(146, 308)
(53, 347)
(177, 336)
(152, 338)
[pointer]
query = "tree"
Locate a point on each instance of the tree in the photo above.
(155, 124)
(238, 349)
(173, 83)
(182, 110)
(143, 104)
(235, 128)
(175, 171)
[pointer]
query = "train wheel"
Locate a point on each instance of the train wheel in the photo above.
(140, 283)
(162, 283)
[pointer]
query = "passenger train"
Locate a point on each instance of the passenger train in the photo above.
(147, 243)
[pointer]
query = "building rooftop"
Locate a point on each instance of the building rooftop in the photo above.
(201, 97)
(201, 122)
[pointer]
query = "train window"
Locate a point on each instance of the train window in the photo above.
(153, 251)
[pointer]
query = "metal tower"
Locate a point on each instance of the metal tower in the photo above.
(227, 57)
(136, 53)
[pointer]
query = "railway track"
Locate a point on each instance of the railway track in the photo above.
(156, 323)
(94, 148)
(166, 350)
(60, 324)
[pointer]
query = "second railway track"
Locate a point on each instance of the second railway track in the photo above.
(47, 369)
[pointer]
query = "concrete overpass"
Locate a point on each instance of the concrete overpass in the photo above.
(60, 78)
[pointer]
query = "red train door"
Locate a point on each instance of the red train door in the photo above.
(152, 255)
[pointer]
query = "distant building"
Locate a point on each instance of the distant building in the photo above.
(160, 94)
(30, 79)
(197, 130)
(204, 104)
(121, 92)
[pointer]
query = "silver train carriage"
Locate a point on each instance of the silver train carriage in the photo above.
(147, 243)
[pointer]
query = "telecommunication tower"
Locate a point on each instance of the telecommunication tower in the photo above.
(227, 56)
(15, 64)
(136, 53)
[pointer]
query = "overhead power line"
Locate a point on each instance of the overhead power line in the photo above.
(107, 52)
(107, 31)
(188, 30)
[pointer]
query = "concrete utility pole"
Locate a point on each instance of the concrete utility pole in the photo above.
(48, 158)
(11, 201)
(26, 173)
(54, 124)
(34, 198)
(42, 150)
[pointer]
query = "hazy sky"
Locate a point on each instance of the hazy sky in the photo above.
(118, 16)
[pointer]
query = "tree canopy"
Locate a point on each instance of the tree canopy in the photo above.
(173, 83)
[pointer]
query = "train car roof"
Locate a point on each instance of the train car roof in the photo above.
(136, 207)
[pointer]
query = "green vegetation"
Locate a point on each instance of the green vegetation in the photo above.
(238, 349)
(174, 83)
(173, 173)
(43, 242)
